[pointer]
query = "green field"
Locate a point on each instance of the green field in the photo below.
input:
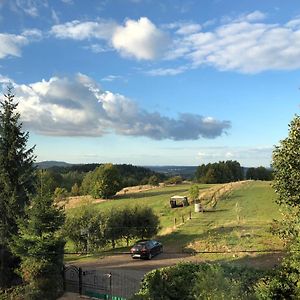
(240, 221)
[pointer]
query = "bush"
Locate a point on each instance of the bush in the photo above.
(198, 281)
(86, 229)
(285, 282)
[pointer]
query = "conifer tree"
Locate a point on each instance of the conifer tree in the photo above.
(40, 246)
(16, 179)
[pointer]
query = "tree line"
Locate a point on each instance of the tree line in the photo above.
(76, 180)
(229, 171)
(91, 230)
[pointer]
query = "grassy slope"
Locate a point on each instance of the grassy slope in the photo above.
(241, 221)
(158, 199)
(223, 230)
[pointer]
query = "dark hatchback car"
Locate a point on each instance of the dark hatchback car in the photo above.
(146, 249)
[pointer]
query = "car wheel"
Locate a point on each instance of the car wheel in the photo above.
(149, 256)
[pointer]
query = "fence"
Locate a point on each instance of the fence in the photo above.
(99, 284)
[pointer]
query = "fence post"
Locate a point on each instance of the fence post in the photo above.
(110, 285)
(175, 222)
(80, 281)
(64, 277)
(182, 217)
(190, 214)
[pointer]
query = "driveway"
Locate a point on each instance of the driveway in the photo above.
(126, 273)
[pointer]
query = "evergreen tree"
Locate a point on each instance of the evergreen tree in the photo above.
(16, 179)
(40, 246)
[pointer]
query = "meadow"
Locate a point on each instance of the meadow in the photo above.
(240, 222)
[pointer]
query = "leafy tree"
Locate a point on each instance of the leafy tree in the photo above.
(40, 247)
(153, 180)
(87, 183)
(75, 190)
(85, 228)
(194, 192)
(114, 230)
(48, 181)
(260, 173)
(106, 181)
(16, 179)
(285, 284)
(174, 180)
(146, 223)
(60, 194)
(220, 172)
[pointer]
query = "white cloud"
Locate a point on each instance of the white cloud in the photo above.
(254, 16)
(84, 30)
(29, 7)
(140, 39)
(111, 78)
(97, 48)
(11, 44)
(79, 107)
(166, 71)
(54, 16)
(188, 28)
(32, 33)
(243, 46)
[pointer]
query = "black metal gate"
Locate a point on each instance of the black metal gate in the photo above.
(92, 283)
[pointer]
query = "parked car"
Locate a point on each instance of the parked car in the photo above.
(146, 249)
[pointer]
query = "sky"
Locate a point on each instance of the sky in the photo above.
(149, 82)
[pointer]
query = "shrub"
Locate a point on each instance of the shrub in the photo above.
(198, 281)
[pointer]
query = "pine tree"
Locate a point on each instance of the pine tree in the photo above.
(16, 179)
(40, 246)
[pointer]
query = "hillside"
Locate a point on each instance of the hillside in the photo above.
(240, 221)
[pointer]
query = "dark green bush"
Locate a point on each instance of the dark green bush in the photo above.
(198, 281)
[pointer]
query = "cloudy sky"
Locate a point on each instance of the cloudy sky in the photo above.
(153, 82)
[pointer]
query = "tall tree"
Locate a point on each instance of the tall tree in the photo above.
(16, 179)
(285, 283)
(40, 246)
(106, 181)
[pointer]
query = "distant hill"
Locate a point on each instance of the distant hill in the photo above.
(186, 172)
(52, 163)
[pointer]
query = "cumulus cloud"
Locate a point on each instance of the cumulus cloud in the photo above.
(243, 45)
(79, 107)
(141, 39)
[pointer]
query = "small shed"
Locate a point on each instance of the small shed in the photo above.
(179, 201)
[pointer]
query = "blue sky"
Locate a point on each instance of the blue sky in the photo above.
(151, 82)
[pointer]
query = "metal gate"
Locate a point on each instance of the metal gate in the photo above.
(98, 284)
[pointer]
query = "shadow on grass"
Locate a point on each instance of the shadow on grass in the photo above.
(177, 241)
(257, 261)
